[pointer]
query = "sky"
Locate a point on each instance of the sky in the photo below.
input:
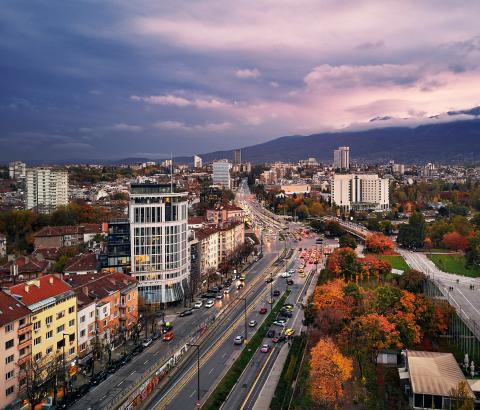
(115, 79)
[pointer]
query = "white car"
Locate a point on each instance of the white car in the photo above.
(285, 274)
(198, 304)
(291, 271)
(209, 303)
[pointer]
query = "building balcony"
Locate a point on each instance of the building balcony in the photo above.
(24, 329)
(24, 359)
(24, 343)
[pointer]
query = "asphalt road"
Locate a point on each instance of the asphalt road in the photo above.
(132, 372)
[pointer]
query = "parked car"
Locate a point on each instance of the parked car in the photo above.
(198, 304)
(147, 342)
(187, 312)
(238, 340)
(209, 303)
(213, 290)
(263, 310)
(168, 336)
(276, 292)
(265, 348)
(280, 322)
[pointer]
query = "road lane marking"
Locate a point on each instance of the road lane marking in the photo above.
(212, 369)
(146, 361)
(192, 394)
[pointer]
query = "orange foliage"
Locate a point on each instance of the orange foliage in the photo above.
(378, 243)
(442, 316)
(329, 370)
(343, 261)
(330, 305)
(455, 241)
(377, 332)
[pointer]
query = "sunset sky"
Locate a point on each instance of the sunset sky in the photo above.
(111, 79)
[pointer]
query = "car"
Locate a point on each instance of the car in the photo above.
(252, 323)
(265, 348)
(276, 292)
(280, 322)
(271, 333)
(209, 303)
(289, 282)
(289, 332)
(270, 301)
(263, 310)
(238, 340)
(208, 295)
(187, 312)
(240, 286)
(167, 326)
(269, 280)
(147, 342)
(278, 339)
(285, 274)
(219, 296)
(198, 304)
(285, 313)
(213, 290)
(287, 306)
(242, 278)
(300, 270)
(291, 271)
(168, 336)
(226, 291)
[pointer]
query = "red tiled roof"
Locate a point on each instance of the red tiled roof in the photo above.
(11, 309)
(26, 264)
(51, 254)
(39, 289)
(193, 220)
(48, 231)
(100, 285)
(83, 262)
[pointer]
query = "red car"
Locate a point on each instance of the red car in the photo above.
(168, 336)
(263, 310)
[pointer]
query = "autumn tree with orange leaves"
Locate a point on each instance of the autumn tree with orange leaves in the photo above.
(343, 262)
(378, 243)
(329, 370)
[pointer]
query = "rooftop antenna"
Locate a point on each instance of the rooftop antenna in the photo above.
(171, 172)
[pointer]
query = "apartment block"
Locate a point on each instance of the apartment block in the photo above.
(47, 189)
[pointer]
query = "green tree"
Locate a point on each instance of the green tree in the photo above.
(412, 280)
(347, 241)
(412, 235)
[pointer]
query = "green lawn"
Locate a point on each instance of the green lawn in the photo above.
(454, 264)
(396, 261)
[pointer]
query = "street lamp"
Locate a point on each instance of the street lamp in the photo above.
(198, 370)
(245, 314)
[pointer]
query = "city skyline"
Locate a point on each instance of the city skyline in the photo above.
(149, 79)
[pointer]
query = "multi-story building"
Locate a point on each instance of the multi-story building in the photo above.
(360, 192)
(195, 257)
(197, 161)
(237, 157)
(341, 158)
(223, 213)
(114, 311)
(158, 232)
(54, 317)
(60, 236)
(47, 189)
(231, 238)
(15, 347)
(118, 246)
(221, 173)
(17, 170)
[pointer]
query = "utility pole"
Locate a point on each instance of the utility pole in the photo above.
(198, 371)
(245, 314)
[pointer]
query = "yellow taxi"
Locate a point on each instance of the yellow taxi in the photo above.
(289, 332)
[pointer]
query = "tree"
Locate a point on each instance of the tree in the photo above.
(347, 241)
(378, 243)
(330, 305)
(462, 397)
(334, 229)
(455, 241)
(373, 225)
(472, 253)
(437, 231)
(413, 234)
(412, 280)
(329, 369)
(343, 261)
(462, 225)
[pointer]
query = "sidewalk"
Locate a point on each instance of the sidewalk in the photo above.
(268, 390)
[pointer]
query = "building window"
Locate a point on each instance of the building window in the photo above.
(60, 328)
(9, 391)
(8, 328)
(129, 297)
(9, 375)
(49, 334)
(71, 351)
(49, 320)
(71, 323)
(36, 325)
(82, 319)
(9, 359)
(92, 313)
(37, 340)
(82, 333)
(105, 322)
(83, 346)
(71, 309)
(37, 357)
(60, 314)
(49, 349)
(8, 344)
(23, 351)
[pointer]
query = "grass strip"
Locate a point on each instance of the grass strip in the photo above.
(284, 389)
(220, 394)
(454, 264)
(396, 261)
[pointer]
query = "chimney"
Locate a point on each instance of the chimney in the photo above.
(85, 290)
(27, 288)
(50, 280)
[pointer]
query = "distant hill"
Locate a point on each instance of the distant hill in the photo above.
(446, 142)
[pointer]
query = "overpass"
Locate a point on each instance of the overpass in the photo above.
(355, 229)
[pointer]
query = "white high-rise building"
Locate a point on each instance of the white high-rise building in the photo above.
(158, 232)
(360, 192)
(221, 173)
(17, 169)
(341, 158)
(47, 189)
(197, 161)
